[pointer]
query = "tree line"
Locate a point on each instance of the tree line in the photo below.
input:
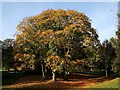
(62, 41)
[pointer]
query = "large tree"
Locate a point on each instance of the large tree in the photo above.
(56, 36)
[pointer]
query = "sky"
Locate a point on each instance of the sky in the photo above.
(102, 14)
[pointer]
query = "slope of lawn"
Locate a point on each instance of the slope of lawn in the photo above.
(107, 84)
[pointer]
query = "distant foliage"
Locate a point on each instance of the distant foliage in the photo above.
(108, 56)
(117, 62)
(116, 44)
(7, 54)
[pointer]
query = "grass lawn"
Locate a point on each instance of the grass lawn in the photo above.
(75, 81)
(106, 84)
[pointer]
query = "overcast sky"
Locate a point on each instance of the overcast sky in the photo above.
(102, 14)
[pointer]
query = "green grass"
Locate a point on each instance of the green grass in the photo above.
(107, 84)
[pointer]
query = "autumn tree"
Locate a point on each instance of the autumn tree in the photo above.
(56, 38)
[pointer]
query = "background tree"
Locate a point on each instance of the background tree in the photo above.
(108, 56)
(1, 53)
(116, 43)
(118, 47)
(7, 54)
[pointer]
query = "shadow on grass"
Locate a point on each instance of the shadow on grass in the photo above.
(13, 78)
(32, 81)
(8, 78)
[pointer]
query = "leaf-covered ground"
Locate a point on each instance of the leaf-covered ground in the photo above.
(74, 81)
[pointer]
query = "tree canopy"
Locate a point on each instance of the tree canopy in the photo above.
(56, 38)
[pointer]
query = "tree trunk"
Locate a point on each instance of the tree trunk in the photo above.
(66, 75)
(91, 69)
(43, 71)
(15, 70)
(106, 72)
(8, 69)
(53, 76)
